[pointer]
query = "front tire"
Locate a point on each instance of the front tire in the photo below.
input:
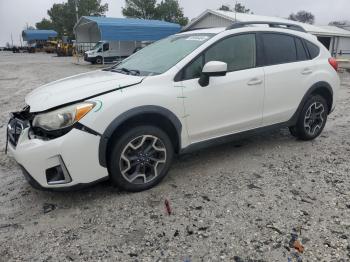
(312, 119)
(99, 60)
(140, 158)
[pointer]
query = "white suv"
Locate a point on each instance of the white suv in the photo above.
(182, 93)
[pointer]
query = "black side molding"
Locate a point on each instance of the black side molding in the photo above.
(118, 121)
(312, 89)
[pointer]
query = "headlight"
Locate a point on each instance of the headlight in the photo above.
(63, 117)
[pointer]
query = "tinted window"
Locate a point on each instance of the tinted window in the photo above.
(194, 69)
(106, 47)
(238, 52)
(313, 49)
(301, 52)
(279, 49)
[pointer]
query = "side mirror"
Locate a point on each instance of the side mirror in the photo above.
(212, 69)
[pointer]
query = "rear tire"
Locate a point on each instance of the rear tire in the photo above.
(312, 119)
(140, 158)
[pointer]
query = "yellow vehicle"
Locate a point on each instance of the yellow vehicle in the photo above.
(50, 46)
(64, 47)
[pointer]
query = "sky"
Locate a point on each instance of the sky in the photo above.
(16, 14)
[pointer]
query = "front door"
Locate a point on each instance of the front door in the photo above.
(231, 103)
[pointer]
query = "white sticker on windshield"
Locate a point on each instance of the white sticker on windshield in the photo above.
(200, 38)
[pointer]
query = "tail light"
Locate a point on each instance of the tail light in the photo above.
(333, 62)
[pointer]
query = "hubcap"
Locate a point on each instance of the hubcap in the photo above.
(142, 159)
(314, 118)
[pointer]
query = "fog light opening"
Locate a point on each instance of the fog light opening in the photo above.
(58, 174)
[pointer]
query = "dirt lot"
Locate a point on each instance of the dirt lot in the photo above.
(237, 202)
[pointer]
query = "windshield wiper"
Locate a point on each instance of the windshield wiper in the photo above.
(127, 71)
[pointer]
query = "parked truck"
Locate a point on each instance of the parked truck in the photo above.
(111, 51)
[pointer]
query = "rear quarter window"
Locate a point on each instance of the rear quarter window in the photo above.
(314, 50)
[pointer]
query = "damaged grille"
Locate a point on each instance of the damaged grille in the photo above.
(17, 123)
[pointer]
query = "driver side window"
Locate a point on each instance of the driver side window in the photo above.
(239, 52)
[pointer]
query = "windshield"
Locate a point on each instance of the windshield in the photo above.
(160, 56)
(97, 46)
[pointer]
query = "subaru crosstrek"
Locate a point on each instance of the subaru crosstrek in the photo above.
(183, 93)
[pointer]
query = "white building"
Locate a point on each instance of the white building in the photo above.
(337, 40)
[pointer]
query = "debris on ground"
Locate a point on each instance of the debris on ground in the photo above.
(47, 207)
(167, 207)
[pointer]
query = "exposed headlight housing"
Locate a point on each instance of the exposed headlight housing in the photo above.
(62, 118)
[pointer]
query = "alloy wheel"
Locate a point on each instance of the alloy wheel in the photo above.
(143, 159)
(314, 118)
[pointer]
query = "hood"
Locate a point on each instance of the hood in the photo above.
(77, 88)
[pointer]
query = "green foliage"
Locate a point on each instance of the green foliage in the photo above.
(167, 10)
(63, 16)
(170, 11)
(225, 8)
(239, 8)
(44, 24)
(302, 16)
(145, 9)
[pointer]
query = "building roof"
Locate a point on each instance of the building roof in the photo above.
(316, 30)
(93, 29)
(33, 35)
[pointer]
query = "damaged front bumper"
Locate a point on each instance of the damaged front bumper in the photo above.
(66, 162)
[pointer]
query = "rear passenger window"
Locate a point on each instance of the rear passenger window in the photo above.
(314, 50)
(279, 49)
(301, 52)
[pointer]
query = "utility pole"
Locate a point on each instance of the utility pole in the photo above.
(11, 39)
(76, 10)
(76, 36)
(235, 11)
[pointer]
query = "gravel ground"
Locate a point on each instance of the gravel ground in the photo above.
(243, 201)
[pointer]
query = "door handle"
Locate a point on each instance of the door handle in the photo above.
(307, 71)
(254, 82)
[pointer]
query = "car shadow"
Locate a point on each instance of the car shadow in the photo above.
(181, 165)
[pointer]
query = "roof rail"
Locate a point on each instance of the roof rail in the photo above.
(270, 24)
(193, 29)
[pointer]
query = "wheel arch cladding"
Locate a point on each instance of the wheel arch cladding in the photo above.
(147, 115)
(323, 89)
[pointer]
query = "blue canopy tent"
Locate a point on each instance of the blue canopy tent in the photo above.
(38, 35)
(91, 29)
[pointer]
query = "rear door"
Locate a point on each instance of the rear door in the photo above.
(287, 74)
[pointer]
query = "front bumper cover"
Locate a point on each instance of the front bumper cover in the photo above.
(77, 150)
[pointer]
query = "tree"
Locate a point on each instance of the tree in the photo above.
(239, 8)
(225, 8)
(302, 16)
(170, 11)
(44, 24)
(340, 23)
(63, 16)
(145, 9)
(167, 10)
